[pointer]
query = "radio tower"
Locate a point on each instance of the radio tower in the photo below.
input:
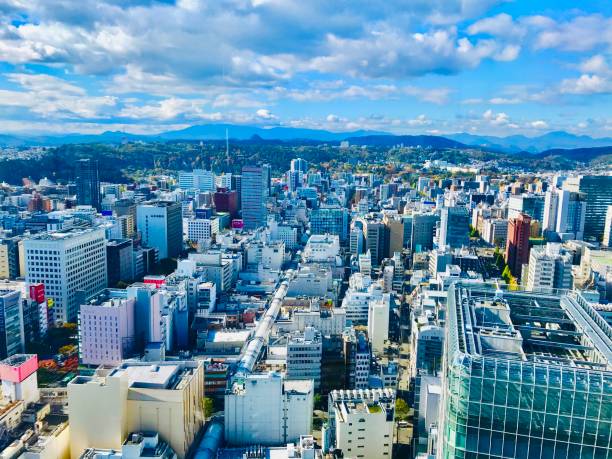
(226, 143)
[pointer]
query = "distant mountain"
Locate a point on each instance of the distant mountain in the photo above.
(519, 143)
(406, 140)
(238, 132)
(577, 154)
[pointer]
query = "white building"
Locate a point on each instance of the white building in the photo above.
(378, 323)
(304, 352)
(198, 179)
(266, 409)
(330, 322)
(106, 328)
(361, 423)
(356, 301)
(322, 248)
(607, 239)
(202, 229)
(549, 268)
(67, 262)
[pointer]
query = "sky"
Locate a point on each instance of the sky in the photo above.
(484, 67)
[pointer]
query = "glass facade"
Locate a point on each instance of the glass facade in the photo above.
(503, 407)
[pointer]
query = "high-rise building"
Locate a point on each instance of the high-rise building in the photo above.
(253, 191)
(198, 179)
(517, 243)
(376, 238)
(378, 322)
(551, 207)
(106, 328)
(597, 190)
(161, 226)
(495, 231)
(423, 231)
(12, 339)
(550, 267)
(299, 165)
(571, 215)
(357, 358)
(526, 375)
(88, 183)
(71, 264)
(226, 200)
(119, 261)
(304, 352)
(125, 210)
(361, 423)
(454, 227)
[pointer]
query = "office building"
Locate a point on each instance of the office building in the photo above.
(330, 220)
(299, 165)
(226, 200)
(106, 328)
(125, 211)
(160, 224)
(597, 191)
(357, 359)
(423, 231)
(267, 409)
(71, 264)
(356, 301)
(88, 183)
(530, 204)
(495, 231)
(376, 236)
(202, 229)
(571, 215)
(12, 339)
(517, 243)
(361, 423)
(119, 261)
(535, 367)
(304, 350)
(550, 268)
(378, 323)
(9, 258)
(454, 227)
(253, 193)
(162, 397)
(198, 179)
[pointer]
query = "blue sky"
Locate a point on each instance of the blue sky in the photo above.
(420, 66)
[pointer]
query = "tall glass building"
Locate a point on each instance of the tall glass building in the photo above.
(526, 375)
(598, 193)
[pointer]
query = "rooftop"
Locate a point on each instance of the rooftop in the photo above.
(555, 329)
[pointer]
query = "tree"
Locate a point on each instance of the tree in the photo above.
(401, 409)
(208, 405)
(319, 402)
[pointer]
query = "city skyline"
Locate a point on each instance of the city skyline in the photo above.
(483, 67)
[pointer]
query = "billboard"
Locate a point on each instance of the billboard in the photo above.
(37, 293)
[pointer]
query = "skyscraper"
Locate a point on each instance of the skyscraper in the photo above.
(253, 191)
(517, 243)
(597, 190)
(454, 227)
(526, 375)
(299, 165)
(88, 183)
(161, 226)
(67, 262)
(571, 215)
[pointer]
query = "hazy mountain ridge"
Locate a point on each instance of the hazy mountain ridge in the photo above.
(552, 141)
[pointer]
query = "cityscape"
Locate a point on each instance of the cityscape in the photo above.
(279, 230)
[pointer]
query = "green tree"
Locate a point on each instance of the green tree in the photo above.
(208, 405)
(401, 409)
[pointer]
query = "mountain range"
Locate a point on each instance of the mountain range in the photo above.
(552, 141)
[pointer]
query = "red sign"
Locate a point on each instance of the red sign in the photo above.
(158, 281)
(237, 224)
(37, 293)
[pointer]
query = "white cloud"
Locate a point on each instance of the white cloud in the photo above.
(265, 114)
(539, 124)
(496, 119)
(586, 84)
